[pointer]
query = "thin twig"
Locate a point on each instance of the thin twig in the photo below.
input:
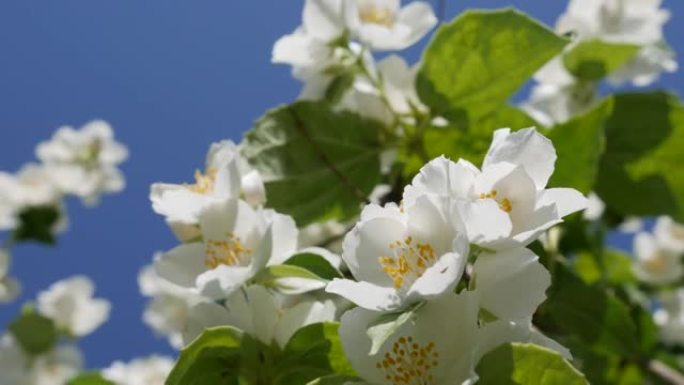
(355, 190)
(666, 373)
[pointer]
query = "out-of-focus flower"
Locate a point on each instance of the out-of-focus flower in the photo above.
(670, 317)
(401, 256)
(227, 175)
(670, 234)
(151, 370)
(267, 316)
(55, 367)
(654, 263)
(31, 186)
(84, 162)
(506, 204)
(71, 305)
(595, 207)
(9, 287)
(237, 242)
(386, 25)
(645, 68)
(168, 310)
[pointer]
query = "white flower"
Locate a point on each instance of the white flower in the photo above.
(638, 22)
(506, 204)
(631, 225)
(670, 317)
(499, 332)
(670, 234)
(168, 311)
(9, 287)
(151, 370)
(616, 21)
(70, 304)
(55, 367)
(646, 67)
(510, 284)
(436, 347)
(262, 314)
(402, 256)
(84, 162)
(227, 175)
(31, 186)
(595, 207)
(655, 264)
(558, 96)
(237, 242)
(385, 25)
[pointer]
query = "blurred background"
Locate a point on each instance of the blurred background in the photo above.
(171, 76)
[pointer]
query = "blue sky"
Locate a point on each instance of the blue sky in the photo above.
(171, 76)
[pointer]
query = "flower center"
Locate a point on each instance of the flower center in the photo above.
(612, 14)
(504, 204)
(409, 363)
(373, 14)
(204, 183)
(89, 155)
(656, 264)
(229, 252)
(409, 262)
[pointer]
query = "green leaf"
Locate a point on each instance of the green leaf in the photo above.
(93, 378)
(593, 315)
(592, 60)
(385, 326)
(338, 87)
(212, 358)
(37, 224)
(35, 333)
(579, 145)
(316, 163)
(317, 346)
(475, 63)
(617, 264)
(314, 263)
(526, 364)
(640, 171)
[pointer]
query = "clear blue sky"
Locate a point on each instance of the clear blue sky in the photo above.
(171, 76)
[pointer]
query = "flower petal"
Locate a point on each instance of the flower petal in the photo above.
(365, 294)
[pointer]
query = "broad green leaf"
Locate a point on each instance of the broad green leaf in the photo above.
(592, 60)
(315, 264)
(526, 364)
(335, 379)
(618, 267)
(579, 144)
(475, 63)
(37, 224)
(640, 172)
(317, 346)
(591, 314)
(316, 163)
(35, 333)
(93, 378)
(386, 325)
(212, 358)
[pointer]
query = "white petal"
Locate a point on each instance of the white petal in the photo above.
(284, 232)
(203, 316)
(511, 284)
(440, 277)
(300, 315)
(567, 200)
(485, 222)
(527, 148)
(323, 19)
(222, 281)
(182, 264)
(420, 18)
(366, 295)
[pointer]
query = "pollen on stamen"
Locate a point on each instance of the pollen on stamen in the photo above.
(377, 15)
(409, 363)
(409, 262)
(229, 252)
(204, 182)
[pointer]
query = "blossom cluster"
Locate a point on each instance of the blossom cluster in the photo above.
(80, 162)
(558, 95)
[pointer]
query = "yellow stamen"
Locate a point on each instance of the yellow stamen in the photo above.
(229, 252)
(504, 204)
(373, 14)
(409, 363)
(204, 183)
(409, 262)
